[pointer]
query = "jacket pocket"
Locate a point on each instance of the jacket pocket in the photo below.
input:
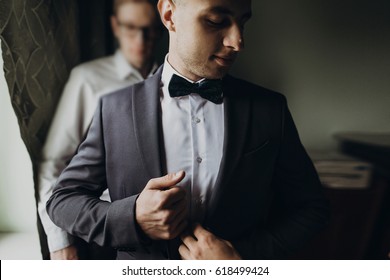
(256, 149)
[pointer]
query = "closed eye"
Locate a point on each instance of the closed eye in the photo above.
(216, 23)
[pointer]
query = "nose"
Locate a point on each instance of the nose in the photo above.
(139, 37)
(234, 38)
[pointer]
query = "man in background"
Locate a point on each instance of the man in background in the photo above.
(137, 27)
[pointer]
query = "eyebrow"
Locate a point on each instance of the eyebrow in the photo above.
(223, 10)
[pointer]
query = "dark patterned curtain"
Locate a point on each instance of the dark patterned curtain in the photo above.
(42, 40)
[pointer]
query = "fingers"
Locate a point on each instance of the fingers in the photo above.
(175, 222)
(161, 208)
(165, 182)
(204, 245)
(184, 252)
(170, 197)
(175, 229)
(200, 231)
(179, 219)
(189, 244)
(175, 214)
(190, 240)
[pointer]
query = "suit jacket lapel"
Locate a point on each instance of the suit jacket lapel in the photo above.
(236, 113)
(145, 107)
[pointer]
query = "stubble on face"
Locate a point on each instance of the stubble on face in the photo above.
(198, 48)
(198, 65)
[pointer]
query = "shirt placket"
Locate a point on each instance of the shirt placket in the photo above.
(199, 157)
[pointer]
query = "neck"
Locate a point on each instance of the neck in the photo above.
(145, 69)
(181, 70)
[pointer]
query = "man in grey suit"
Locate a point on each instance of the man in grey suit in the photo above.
(238, 183)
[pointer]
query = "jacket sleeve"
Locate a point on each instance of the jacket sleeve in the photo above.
(299, 209)
(75, 205)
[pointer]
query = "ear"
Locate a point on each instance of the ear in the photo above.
(114, 25)
(166, 9)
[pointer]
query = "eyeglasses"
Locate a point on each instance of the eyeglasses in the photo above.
(131, 30)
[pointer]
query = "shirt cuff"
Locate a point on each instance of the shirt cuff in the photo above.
(59, 239)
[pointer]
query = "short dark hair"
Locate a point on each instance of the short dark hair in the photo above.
(159, 26)
(118, 3)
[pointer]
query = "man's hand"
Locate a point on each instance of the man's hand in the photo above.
(203, 245)
(161, 208)
(68, 253)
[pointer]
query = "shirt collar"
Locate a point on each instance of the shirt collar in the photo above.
(126, 70)
(167, 74)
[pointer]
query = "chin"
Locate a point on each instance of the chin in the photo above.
(136, 63)
(217, 74)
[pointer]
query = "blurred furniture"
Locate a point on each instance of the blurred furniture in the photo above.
(374, 148)
(360, 217)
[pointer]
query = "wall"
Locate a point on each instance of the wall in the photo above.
(330, 58)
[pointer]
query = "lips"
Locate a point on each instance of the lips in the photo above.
(224, 60)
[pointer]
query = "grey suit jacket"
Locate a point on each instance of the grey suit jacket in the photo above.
(267, 199)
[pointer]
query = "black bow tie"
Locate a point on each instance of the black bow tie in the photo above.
(207, 89)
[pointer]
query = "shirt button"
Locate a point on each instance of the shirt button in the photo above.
(196, 120)
(199, 159)
(199, 201)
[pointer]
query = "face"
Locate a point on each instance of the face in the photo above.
(135, 27)
(205, 35)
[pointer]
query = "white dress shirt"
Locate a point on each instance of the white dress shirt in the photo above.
(86, 84)
(193, 133)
